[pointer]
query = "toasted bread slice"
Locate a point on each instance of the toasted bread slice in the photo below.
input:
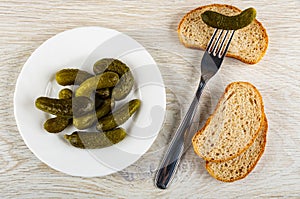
(249, 44)
(234, 125)
(242, 165)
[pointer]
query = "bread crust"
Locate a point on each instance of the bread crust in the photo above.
(265, 126)
(194, 140)
(264, 32)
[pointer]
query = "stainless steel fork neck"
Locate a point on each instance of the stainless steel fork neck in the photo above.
(169, 164)
(200, 88)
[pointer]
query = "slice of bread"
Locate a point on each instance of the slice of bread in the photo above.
(249, 44)
(242, 165)
(234, 125)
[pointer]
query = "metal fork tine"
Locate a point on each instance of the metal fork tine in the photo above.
(219, 51)
(210, 43)
(223, 52)
(216, 45)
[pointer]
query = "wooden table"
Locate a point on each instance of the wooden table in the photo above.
(24, 25)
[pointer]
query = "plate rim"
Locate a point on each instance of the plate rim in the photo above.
(21, 73)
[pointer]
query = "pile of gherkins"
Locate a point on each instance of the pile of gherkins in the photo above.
(91, 104)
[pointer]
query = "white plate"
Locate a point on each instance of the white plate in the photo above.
(80, 48)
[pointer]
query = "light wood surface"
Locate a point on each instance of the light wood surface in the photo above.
(24, 25)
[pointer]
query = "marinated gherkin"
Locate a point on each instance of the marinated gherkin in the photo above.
(56, 124)
(104, 80)
(119, 116)
(103, 93)
(91, 118)
(59, 123)
(98, 101)
(95, 140)
(65, 107)
(220, 21)
(92, 103)
(109, 64)
(71, 76)
(65, 93)
(122, 89)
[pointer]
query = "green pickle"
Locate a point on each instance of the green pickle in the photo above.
(98, 101)
(91, 118)
(77, 106)
(95, 140)
(103, 93)
(122, 89)
(71, 76)
(91, 104)
(217, 20)
(109, 64)
(59, 123)
(65, 93)
(56, 124)
(104, 80)
(119, 116)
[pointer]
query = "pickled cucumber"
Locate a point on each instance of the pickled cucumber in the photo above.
(220, 21)
(77, 106)
(94, 140)
(91, 118)
(56, 124)
(59, 123)
(66, 77)
(109, 64)
(103, 93)
(98, 101)
(65, 93)
(119, 116)
(104, 80)
(125, 85)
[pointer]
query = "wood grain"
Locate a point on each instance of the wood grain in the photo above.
(27, 24)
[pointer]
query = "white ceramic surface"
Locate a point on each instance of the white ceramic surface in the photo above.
(80, 48)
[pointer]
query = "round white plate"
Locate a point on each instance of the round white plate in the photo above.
(80, 48)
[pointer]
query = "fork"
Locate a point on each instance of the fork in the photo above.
(210, 64)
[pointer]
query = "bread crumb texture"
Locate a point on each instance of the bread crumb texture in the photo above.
(234, 125)
(242, 165)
